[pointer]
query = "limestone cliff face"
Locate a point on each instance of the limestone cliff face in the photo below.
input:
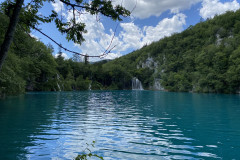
(152, 64)
(157, 85)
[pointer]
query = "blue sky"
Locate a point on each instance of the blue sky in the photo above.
(150, 21)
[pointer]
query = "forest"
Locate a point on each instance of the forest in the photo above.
(203, 58)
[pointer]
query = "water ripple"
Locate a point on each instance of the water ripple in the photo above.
(125, 125)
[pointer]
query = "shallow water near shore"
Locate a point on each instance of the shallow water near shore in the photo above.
(125, 125)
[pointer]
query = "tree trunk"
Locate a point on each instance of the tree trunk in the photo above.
(10, 32)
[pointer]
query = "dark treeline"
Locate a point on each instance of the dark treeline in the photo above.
(203, 58)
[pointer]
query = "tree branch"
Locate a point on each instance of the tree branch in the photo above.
(97, 10)
(74, 18)
(79, 6)
(80, 54)
(111, 41)
(134, 7)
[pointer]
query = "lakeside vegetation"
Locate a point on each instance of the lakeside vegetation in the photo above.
(203, 58)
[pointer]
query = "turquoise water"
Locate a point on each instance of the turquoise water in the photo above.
(141, 125)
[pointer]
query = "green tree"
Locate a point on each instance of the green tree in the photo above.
(82, 84)
(10, 31)
(29, 18)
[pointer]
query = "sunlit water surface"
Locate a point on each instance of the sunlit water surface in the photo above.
(140, 125)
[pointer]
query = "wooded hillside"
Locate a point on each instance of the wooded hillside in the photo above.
(203, 58)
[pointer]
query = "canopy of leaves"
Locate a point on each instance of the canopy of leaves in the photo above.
(73, 28)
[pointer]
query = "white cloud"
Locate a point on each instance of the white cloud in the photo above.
(57, 6)
(210, 8)
(147, 8)
(112, 55)
(134, 37)
(64, 55)
(131, 36)
(96, 40)
(166, 27)
(34, 36)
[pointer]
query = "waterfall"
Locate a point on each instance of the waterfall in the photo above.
(58, 78)
(90, 86)
(59, 88)
(136, 84)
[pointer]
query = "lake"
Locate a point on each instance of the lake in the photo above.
(129, 125)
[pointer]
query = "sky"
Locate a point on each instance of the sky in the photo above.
(151, 20)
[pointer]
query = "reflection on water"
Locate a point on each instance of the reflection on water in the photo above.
(125, 125)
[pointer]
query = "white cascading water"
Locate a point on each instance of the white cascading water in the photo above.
(136, 84)
(58, 77)
(90, 86)
(59, 88)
